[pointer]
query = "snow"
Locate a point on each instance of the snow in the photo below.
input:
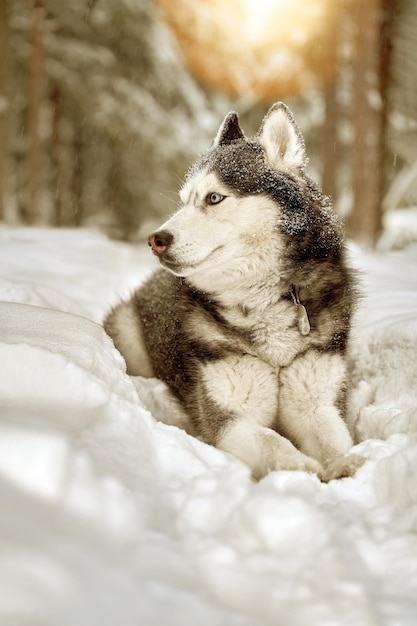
(111, 514)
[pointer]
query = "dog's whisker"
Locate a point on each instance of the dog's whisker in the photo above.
(174, 201)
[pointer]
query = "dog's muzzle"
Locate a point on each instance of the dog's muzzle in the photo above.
(160, 241)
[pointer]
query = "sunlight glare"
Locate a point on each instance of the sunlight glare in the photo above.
(271, 22)
(253, 48)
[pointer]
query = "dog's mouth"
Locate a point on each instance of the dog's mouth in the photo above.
(184, 269)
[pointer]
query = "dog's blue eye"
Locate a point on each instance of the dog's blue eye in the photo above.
(214, 198)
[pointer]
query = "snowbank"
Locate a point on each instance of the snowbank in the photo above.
(108, 516)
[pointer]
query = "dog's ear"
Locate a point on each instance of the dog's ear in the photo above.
(282, 140)
(229, 130)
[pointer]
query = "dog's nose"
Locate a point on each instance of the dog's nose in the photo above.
(159, 242)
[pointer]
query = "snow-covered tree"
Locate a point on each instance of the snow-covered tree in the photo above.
(121, 118)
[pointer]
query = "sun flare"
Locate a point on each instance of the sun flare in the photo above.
(257, 48)
(268, 22)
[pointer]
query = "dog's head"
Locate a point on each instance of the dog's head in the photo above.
(234, 203)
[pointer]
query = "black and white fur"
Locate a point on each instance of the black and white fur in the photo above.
(248, 318)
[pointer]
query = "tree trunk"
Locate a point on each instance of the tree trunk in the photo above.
(364, 222)
(331, 109)
(4, 101)
(56, 156)
(77, 175)
(390, 10)
(34, 107)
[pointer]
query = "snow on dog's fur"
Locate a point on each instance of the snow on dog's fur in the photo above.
(248, 318)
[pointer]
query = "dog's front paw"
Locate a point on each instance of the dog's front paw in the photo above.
(294, 463)
(342, 467)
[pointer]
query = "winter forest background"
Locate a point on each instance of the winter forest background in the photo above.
(104, 104)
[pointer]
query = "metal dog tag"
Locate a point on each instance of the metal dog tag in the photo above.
(302, 318)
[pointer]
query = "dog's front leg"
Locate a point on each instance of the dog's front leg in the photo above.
(309, 413)
(237, 408)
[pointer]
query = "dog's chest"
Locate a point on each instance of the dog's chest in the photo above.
(272, 333)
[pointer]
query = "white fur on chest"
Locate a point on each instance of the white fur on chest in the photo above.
(273, 330)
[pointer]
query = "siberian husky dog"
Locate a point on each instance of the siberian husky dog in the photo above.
(247, 319)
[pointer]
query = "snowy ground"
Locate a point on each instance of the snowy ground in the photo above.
(108, 516)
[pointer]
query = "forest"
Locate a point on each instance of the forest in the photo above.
(103, 105)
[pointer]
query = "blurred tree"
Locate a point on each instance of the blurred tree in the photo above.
(368, 121)
(331, 107)
(357, 110)
(140, 105)
(4, 99)
(402, 127)
(36, 37)
(116, 89)
(372, 49)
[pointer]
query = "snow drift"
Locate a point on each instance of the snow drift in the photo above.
(111, 514)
